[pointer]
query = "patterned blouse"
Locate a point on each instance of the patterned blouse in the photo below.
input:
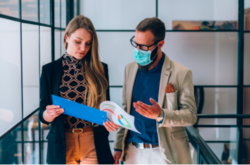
(73, 87)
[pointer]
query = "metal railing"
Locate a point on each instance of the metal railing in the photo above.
(204, 152)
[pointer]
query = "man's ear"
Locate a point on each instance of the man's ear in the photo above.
(160, 44)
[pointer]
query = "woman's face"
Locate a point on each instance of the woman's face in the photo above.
(79, 43)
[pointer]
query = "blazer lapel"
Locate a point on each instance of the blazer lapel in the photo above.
(130, 86)
(57, 75)
(165, 74)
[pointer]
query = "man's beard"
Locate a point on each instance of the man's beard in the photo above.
(145, 67)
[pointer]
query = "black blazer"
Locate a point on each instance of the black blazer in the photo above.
(56, 154)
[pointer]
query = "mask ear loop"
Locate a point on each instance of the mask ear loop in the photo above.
(155, 53)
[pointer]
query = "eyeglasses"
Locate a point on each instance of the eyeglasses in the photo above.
(142, 47)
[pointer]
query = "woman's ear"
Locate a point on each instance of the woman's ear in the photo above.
(66, 38)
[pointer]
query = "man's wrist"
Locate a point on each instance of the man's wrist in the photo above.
(117, 150)
(160, 117)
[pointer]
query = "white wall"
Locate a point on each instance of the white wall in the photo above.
(196, 10)
(117, 14)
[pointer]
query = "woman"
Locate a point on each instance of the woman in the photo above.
(78, 76)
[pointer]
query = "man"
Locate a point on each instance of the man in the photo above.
(160, 116)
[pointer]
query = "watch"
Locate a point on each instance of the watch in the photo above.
(158, 119)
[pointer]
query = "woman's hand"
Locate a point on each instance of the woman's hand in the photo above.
(110, 126)
(51, 112)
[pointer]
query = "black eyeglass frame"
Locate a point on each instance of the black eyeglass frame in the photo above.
(140, 45)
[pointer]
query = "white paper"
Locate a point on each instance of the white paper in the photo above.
(117, 115)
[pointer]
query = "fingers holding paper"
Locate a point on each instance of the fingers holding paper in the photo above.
(149, 111)
(54, 110)
(110, 126)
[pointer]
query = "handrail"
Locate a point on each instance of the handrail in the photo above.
(197, 141)
(20, 122)
(201, 147)
(223, 115)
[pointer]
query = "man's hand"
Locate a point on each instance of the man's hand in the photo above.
(110, 126)
(149, 111)
(117, 156)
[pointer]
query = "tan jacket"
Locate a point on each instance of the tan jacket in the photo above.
(179, 110)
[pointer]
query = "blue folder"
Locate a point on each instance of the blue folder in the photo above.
(80, 111)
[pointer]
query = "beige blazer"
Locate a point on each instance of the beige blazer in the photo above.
(179, 110)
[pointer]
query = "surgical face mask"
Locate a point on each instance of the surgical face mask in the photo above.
(143, 57)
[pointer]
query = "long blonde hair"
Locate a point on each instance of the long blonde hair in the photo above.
(94, 72)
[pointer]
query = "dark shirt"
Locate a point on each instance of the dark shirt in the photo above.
(146, 86)
(73, 87)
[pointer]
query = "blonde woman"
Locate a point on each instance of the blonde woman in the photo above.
(80, 76)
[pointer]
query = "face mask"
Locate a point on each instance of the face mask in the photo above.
(143, 57)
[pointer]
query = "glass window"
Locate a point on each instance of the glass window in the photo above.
(30, 10)
(44, 130)
(246, 105)
(57, 13)
(116, 95)
(30, 43)
(10, 149)
(246, 150)
(218, 101)
(216, 134)
(111, 145)
(246, 59)
(30, 128)
(183, 15)
(63, 51)
(45, 11)
(247, 15)
(10, 71)
(57, 44)
(31, 153)
(215, 121)
(63, 14)
(113, 14)
(31, 136)
(45, 45)
(10, 8)
(226, 152)
(246, 133)
(43, 151)
(193, 154)
(112, 136)
(247, 4)
(76, 6)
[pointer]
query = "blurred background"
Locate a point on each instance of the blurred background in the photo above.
(211, 37)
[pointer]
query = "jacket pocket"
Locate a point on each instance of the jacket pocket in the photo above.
(171, 99)
(51, 137)
(179, 134)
